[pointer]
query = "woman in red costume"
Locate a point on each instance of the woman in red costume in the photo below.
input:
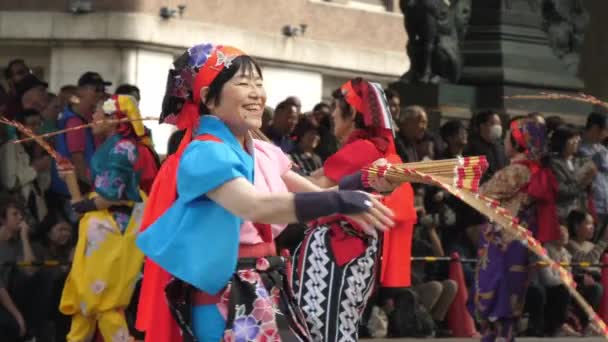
(336, 264)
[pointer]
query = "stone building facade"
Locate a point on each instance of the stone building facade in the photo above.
(128, 41)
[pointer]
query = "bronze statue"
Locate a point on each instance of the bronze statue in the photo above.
(565, 22)
(436, 29)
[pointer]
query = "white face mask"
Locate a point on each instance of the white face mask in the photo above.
(496, 132)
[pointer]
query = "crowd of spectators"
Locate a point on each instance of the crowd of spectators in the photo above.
(37, 224)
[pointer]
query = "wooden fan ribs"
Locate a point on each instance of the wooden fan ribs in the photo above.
(463, 182)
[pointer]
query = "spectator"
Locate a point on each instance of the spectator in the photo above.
(552, 123)
(128, 89)
(23, 305)
(394, 103)
(571, 187)
(34, 95)
(24, 173)
(306, 139)
(50, 114)
(596, 131)
(283, 123)
(580, 227)
(295, 101)
(426, 147)
(548, 298)
(455, 136)
(3, 106)
(450, 211)
(266, 118)
(484, 140)
(435, 292)
(15, 71)
(321, 117)
(67, 95)
(56, 246)
(56, 242)
(78, 146)
(412, 128)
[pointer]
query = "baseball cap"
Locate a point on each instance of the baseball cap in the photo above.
(30, 81)
(94, 79)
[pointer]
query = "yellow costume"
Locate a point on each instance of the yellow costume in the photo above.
(103, 276)
(107, 262)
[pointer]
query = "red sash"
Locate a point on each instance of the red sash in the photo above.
(153, 315)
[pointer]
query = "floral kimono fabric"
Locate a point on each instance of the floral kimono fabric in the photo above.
(258, 304)
(103, 276)
(503, 268)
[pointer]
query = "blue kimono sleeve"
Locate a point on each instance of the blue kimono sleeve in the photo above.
(197, 240)
(205, 166)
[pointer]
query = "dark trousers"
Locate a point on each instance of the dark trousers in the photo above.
(547, 307)
(9, 329)
(32, 296)
(593, 296)
(60, 321)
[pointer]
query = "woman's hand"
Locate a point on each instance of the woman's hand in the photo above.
(377, 217)
(381, 184)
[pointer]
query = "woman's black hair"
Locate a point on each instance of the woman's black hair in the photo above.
(174, 140)
(346, 109)
(173, 104)
(560, 137)
(243, 63)
(575, 218)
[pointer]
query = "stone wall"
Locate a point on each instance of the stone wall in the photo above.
(594, 62)
(335, 21)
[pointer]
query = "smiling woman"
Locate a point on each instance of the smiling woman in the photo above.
(243, 96)
(214, 231)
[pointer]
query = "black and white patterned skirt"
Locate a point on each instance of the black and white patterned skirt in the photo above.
(333, 297)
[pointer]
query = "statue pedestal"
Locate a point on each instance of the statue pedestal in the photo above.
(445, 101)
(506, 51)
(506, 44)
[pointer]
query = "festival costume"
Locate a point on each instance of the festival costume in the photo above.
(209, 300)
(525, 188)
(106, 263)
(336, 264)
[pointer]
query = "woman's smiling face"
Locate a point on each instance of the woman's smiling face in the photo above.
(241, 101)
